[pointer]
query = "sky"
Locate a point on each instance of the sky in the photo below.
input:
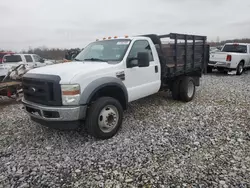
(75, 23)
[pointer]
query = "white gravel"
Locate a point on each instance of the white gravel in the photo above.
(163, 143)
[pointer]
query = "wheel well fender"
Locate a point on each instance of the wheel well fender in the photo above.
(107, 86)
(243, 61)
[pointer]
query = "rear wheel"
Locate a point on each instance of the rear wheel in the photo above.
(187, 89)
(104, 118)
(240, 68)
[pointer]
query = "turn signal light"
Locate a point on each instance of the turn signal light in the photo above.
(229, 58)
(77, 92)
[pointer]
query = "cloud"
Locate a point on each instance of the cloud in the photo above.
(66, 23)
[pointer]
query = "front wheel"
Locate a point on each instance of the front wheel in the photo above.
(187, 89)
(240, 68)
(104, 118)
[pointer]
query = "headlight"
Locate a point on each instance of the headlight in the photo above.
(70, 94)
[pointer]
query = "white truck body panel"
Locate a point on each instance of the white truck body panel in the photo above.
(143, 81)
(219, 59)
(140, 81)
(67, 71)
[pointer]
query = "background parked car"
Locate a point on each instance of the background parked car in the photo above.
(232, 57)
(13, 60)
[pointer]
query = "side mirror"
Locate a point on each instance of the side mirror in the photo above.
(131, 62)
(41, 60)
(143, 59)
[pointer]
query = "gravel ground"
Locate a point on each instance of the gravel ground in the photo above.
(163, 143)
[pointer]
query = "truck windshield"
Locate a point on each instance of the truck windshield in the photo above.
(12, 59)
(110, 51)
(235, 48)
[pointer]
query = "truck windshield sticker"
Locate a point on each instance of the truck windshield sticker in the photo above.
(123, 42)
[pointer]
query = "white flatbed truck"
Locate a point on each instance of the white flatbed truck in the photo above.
(93, 91)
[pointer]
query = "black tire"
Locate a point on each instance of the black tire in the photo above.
(93, 117)
(240, 68)
(209, 69)
(185, 94)
(176, 89)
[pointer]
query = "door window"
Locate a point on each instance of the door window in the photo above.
(37, 58)
(140, 46)
(28, 58)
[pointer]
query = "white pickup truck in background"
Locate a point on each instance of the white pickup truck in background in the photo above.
(13, 60)
(233, 56)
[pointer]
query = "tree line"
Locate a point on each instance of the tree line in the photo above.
(244, 40)
(59, 54)
(52, 53)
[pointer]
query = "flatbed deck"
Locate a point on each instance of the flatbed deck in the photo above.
(181, 55)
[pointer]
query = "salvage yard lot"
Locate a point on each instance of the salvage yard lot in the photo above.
(162, 143)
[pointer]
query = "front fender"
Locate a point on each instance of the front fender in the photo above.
(97, 84)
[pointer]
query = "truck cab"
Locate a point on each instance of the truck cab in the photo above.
(13, 60)
(93, 91)
(28, 59)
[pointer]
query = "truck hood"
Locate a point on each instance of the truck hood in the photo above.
(67, 71)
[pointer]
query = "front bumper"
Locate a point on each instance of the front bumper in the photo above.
(57, 113)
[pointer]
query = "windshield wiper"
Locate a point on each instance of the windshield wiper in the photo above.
(77, 60)
(94, 59)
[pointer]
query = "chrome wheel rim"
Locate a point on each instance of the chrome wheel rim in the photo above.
(190, 89)
(108, 118)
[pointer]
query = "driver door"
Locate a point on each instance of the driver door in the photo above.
(141, 81)
(29, 60)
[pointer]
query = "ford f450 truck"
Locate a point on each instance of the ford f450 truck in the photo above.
(233, 56)
(93, 91)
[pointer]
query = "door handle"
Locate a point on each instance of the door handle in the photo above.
(156, 69)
